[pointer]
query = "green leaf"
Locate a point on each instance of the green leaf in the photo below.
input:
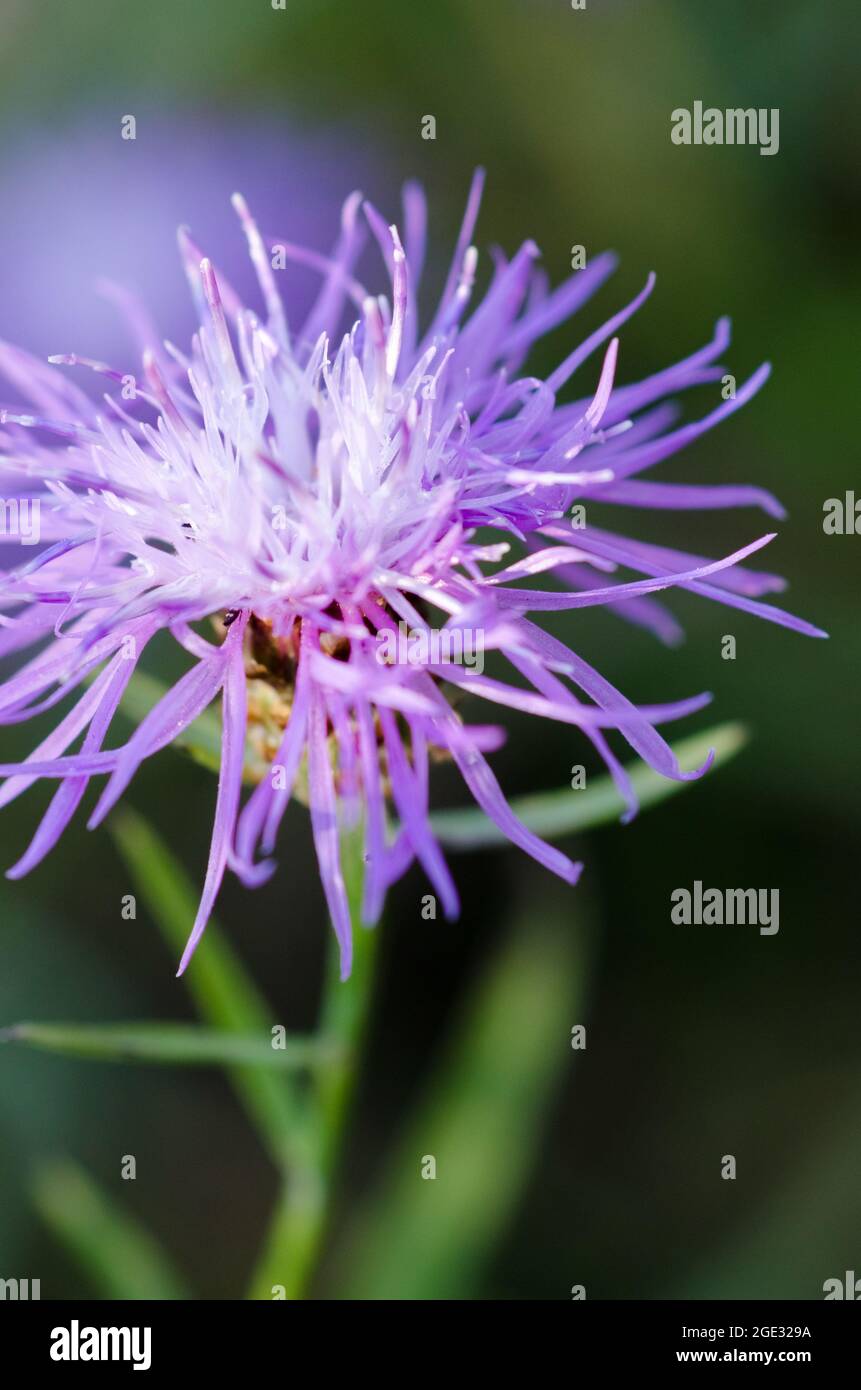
(122, 1259)
(223, 993)
(480, 1120)
(552, 814)
(170, 1043)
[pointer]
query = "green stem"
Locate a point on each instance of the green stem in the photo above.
(297, 1230)
(344, 1020)
(292, 1241)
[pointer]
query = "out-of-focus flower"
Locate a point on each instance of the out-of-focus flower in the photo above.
(320, 498)
(92, 214)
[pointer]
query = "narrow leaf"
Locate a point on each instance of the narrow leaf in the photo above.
(557, 813)
(170, 1043)
(121, 1258)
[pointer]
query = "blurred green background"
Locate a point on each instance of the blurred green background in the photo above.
(602, 1167)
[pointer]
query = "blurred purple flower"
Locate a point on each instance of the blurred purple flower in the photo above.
(92, 210)
(318, 497)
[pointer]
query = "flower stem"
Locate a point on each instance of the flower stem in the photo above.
(297, 1230)
(346, 1006)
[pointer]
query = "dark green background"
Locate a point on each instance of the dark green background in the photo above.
(702, 1041)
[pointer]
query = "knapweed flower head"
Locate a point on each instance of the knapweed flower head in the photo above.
(325, 521)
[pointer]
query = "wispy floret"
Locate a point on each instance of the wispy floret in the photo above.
(328, 525)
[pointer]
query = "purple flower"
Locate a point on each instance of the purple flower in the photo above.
(316, 502)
